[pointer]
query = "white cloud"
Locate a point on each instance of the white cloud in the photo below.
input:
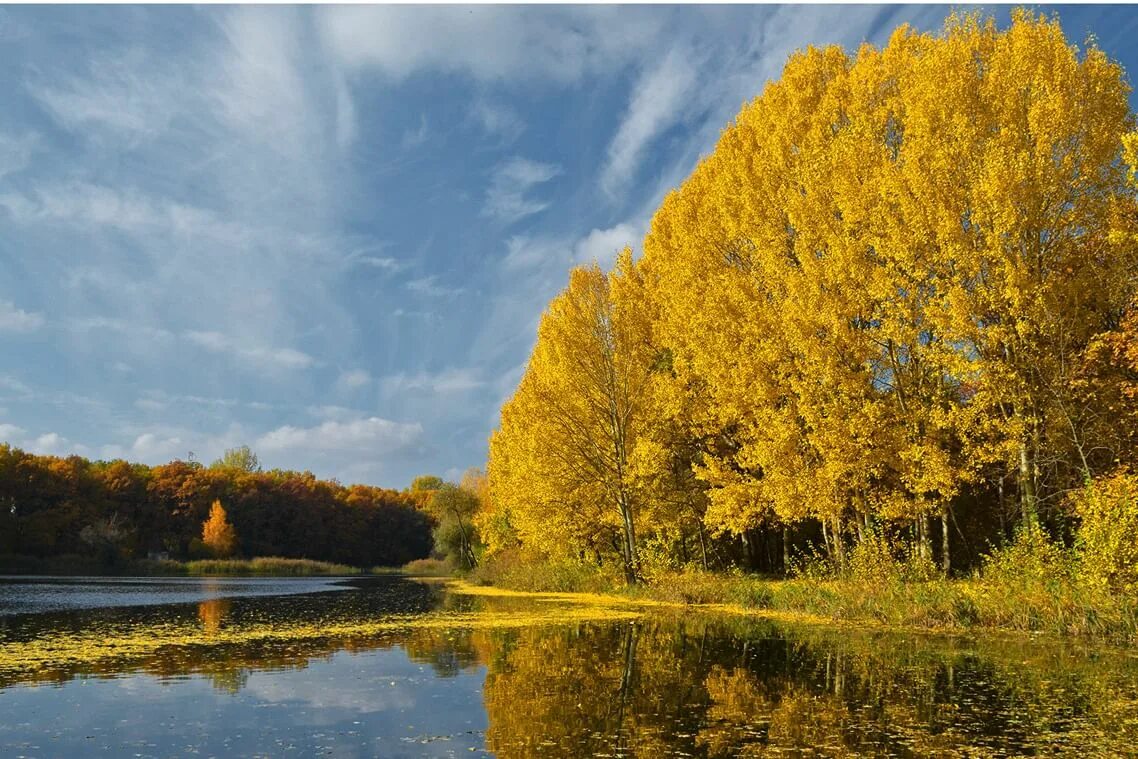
(372, 435)
(658, 101)
(10, 432)
(486, 43)
(14, 319)
(497, 120)
(215, 342)
(264, 86)
(54, 444)
(334, 413)
(88, 205)
(10, 383)
(430, 286)
(152, 447)
(159, 400)
(103, 323)
(524, 252)
(603, 245)
(16, 152)
(555, 254)
(117, 94)
(448, 381)
(45, 444)
(203, 156)
(413, 138)
(506, 198)
(379, 262)
(353, 379)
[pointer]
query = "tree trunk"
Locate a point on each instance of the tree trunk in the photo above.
(924, 539)
(945, 560)
(839, 545)
(785, 549)
(1027, 495)
(466, 549)
(631, 562)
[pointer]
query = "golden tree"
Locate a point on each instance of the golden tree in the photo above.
(880, 281)
(218, 534)
(559, 462)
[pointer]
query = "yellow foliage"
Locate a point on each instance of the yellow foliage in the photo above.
(879, 292)
(880, 276)
(1108, 550)
(558, 469)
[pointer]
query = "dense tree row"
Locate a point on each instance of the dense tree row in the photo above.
(51, 506)
(894, 298)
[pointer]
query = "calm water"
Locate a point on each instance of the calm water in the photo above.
(391, 667)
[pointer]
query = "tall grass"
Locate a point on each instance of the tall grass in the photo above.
(267, 565)
(517, 570)
(429, 568)
(1030, 585)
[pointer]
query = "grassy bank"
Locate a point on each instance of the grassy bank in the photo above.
(263, 566)
(1031, 586)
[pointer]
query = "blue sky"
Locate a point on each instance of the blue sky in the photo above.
(329, 232)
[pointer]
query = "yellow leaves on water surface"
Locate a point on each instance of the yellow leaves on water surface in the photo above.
(132, 644)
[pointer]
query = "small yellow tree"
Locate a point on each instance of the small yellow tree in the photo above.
(218, 534)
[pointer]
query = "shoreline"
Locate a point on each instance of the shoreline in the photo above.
(780, 608)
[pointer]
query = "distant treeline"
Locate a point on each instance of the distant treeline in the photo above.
(115, 511)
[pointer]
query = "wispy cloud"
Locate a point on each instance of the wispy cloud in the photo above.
(374, 435)
(506, 198)
(430, 287)
(353, 379)
(445, 382)
(16, 152)
(487, 43)
(413, 138)
(659, 99)
(256, 355)
(497, 120)
(13, 319)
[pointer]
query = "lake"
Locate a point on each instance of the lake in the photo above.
(393, 667)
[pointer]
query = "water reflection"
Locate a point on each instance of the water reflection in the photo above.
(461, 672)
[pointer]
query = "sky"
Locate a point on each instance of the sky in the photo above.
(329, 232)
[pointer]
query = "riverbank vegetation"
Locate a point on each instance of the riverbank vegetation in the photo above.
(884, 336)
(100, 517)
(85, 565)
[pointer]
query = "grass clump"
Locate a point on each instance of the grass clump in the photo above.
(515, 569)
(692, 585)
(429, 567)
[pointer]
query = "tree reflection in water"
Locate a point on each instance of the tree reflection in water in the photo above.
(666, 683)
